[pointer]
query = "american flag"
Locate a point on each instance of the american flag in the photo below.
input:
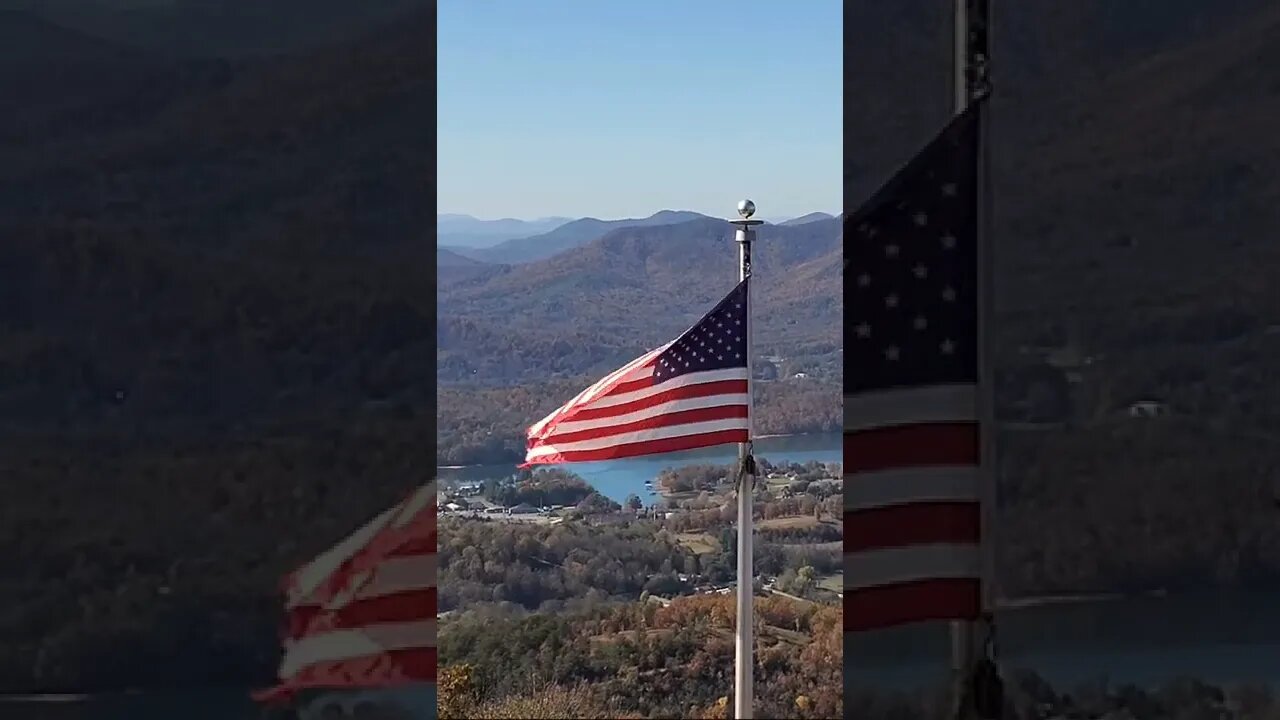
(912, 524)
(690, 393)
(363, 613)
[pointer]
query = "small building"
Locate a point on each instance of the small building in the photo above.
(522, 509)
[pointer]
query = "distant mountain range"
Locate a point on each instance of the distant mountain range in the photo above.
(632, 287)
(515, 241)
(464, 231)
(567, 236)
(811, 217)
(446, 258)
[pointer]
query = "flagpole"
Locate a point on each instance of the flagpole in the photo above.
(969, 82)
(742, 659)
(962, 632)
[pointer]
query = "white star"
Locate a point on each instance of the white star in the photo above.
(891, 353)
(949, 189)
(947, 347)
(864, 280)
(891, 250)
(891, 301)
(948, 295)
(921, 322)
(863, 330)
(921, 219)
(948, 241)
(921, 271)
(719, 357)
(738, 355)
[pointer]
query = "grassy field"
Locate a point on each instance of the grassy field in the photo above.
(699, 543)
(789, 523)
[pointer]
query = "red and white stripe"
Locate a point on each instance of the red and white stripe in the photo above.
(363, 613)
(625, 415)
(912, 516)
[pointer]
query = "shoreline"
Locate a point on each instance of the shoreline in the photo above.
(772, 436)
(33, 698)
(1020, 603)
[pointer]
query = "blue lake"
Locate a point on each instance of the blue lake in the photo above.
(194, 704)
(616, 479)
(191, 704)
(1222, 639)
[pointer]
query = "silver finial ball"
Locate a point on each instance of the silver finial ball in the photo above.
(746, 209)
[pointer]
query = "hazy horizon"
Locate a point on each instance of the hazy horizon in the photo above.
(567, 218)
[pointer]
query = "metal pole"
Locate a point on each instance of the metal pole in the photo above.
(960, 57)
(962, 632)
(979, 84)
(970, 81)
(989, 471)
(742, 659)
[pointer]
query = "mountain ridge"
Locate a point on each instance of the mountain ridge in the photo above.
(571, 235)
(646, 282)
(464, 231)
(808, 218)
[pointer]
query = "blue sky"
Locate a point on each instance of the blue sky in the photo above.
(615, 109)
